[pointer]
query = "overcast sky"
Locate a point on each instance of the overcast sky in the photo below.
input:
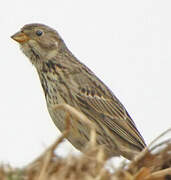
(126, 43)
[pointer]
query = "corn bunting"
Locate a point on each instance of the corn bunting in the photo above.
(65, 79)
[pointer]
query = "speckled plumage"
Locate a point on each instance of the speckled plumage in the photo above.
(66, 80)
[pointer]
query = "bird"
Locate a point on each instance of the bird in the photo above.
(66, 80)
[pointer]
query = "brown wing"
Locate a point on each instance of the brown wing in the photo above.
(116, 119)
(94, 97)
(100, 99)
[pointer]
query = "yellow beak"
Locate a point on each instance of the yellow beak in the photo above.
(20, 37)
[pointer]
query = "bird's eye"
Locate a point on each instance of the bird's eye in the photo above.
(39, 32)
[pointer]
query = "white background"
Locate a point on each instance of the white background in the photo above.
(126, 43)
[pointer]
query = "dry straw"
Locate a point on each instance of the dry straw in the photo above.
(153, 163)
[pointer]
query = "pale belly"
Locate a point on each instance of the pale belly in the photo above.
(78, 136)
(79, 133)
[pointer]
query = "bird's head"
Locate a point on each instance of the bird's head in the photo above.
(39, 42)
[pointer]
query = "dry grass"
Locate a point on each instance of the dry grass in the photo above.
(90, 166)
(154, 163)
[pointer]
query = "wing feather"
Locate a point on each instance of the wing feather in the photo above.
(115, 118)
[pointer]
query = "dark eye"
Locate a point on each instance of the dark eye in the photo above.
(39, 32)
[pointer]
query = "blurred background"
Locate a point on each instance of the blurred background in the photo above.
(126, 43)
